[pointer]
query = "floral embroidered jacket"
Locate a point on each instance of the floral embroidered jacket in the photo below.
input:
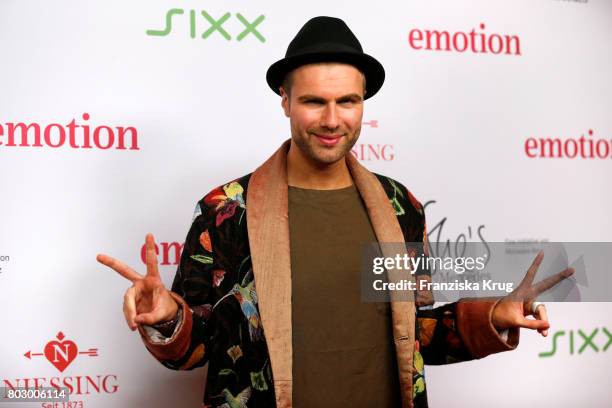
(233, 285)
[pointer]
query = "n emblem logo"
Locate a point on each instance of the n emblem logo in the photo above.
(61, 353)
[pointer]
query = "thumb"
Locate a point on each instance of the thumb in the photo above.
(164, 309)
(153, 315)
(534, 324)
(149, 318)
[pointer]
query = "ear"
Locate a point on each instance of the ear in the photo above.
(284, 100)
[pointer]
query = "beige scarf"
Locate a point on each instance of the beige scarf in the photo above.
(268, 231)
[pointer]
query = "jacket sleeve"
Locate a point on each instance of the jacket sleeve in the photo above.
(188, 346)
(458, 331)
(461, 331)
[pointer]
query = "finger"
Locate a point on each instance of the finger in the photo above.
(531, 272)
(533, 324)
(151, 256)
(551, 281)
(129, 307)
(161, 309)
(542, 314)
(119, 267)
(149, 318)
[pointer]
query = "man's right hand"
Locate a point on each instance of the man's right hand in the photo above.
(147, 301)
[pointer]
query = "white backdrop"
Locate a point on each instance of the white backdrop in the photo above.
(452, 126)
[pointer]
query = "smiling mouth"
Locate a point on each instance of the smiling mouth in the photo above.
(328, 140)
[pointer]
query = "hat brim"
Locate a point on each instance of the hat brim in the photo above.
(371, 68)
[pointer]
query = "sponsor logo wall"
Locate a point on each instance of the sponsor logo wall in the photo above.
(116, 118)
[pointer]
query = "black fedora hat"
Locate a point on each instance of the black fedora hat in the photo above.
(327, 39)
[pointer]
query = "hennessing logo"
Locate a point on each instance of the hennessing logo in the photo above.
(476, 42)
(571, 148)
(61, 353)
(373, 151)
(71, 135)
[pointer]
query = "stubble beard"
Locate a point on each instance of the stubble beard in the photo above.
(323, 155)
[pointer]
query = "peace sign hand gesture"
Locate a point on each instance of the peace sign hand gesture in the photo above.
(147, 301)
(511, 311)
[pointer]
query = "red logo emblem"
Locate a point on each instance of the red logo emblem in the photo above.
(61, 352)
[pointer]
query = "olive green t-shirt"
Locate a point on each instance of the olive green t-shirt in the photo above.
(343, 352)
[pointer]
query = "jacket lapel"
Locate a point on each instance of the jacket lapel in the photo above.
(268, 231)
(388, 232)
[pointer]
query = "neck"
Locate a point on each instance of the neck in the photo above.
(304, 173)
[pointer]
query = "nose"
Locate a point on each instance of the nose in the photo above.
(329, 119)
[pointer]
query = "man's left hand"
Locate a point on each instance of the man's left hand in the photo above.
(512, 310)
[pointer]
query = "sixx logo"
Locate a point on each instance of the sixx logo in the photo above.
(212, 25)
(371, 151)
(570, 148)
(459, 41)
(71, 135)
(61, 352)
(170, 252)
(593, 340)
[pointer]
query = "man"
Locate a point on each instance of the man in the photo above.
(267, 290)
